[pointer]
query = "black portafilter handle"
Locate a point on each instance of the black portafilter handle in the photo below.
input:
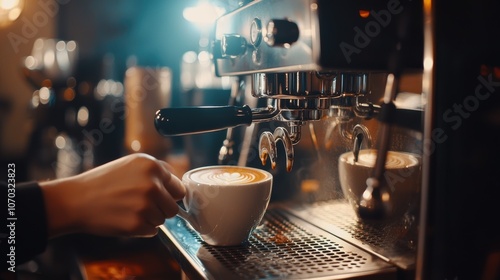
(191, 120)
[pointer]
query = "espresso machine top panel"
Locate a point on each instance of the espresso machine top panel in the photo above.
(318, 35)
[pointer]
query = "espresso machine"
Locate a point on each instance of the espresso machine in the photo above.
(315, 79)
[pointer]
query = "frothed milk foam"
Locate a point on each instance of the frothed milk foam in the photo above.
(227, 175)
(394, 160)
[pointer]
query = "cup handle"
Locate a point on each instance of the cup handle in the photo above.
(187, 217)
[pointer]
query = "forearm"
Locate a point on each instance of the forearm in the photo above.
(61, 205)
(25, 233)
(130, 196)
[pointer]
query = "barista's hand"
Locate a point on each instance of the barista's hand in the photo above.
(130, 196)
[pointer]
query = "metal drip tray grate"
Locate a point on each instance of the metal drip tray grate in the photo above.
(394, 241)
(279, 248)
(282, 247)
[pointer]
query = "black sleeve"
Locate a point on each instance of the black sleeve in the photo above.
(23, 228)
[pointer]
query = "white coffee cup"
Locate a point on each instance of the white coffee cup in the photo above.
(224, 204)
(402, 178)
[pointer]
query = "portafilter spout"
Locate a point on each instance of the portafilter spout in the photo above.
(360, 135)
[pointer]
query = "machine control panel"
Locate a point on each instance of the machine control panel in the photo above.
(317, 35)
(278, 34)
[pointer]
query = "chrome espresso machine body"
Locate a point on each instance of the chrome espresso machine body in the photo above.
(324, 78)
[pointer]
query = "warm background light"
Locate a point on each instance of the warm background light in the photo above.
(364, 13)
(10, 10)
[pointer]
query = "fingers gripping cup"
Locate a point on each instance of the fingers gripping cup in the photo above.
(224, 204)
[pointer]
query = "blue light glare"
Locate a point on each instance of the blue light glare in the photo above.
(203, 14)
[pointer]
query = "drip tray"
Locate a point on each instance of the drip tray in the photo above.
(282, 247)
(393, 241)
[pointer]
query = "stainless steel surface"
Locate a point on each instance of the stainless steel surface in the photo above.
(306, 96)
(460, 73)
(295, 85)
(282, 247)
(259, 55)
(331, 35)
(292, 53)
(301, 57)
(393, 241)
(268, 149)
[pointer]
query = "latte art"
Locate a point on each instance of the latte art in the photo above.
(394, 159)
(227, 176)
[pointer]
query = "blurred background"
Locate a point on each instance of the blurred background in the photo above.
(68, 103)
(62, 78)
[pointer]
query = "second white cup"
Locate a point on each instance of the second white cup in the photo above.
(402, 178)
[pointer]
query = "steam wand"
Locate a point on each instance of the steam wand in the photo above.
(375, 202)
